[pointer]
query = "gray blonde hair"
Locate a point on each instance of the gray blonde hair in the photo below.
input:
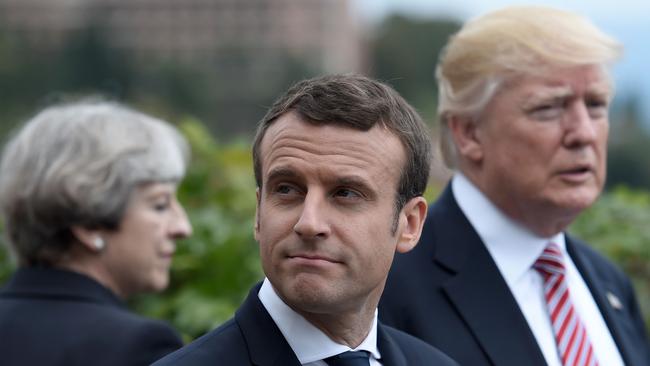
(77, 164)
(516, 40)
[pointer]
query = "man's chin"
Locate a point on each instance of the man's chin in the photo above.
(309, 294)
(572, 203)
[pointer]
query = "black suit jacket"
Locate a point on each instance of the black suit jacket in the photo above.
(51, 317)
(252, 338)
(449, 292)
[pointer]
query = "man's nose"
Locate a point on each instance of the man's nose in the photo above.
(581, 127)
(312, 222)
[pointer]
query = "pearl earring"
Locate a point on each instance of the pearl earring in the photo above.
(99, 243)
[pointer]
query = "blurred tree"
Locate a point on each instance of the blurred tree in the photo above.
(174, 90)
(6, 264)
(245, 88)
(84, 66)
(405, 52)
(617, 226)
(628, 138)
(22, 80)
(87, 65)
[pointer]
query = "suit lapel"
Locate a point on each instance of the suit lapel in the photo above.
(266, 344)
(599, 288)
(391, 354)
(478, 291)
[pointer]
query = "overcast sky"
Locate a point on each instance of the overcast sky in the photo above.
(600, 10)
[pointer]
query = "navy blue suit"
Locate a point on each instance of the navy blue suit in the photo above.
(449, 292)
(252, 338)
(52, 317)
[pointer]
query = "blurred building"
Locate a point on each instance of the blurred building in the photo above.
(247, 50)
(321, 33)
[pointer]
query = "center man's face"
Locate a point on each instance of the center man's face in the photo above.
(325, 213)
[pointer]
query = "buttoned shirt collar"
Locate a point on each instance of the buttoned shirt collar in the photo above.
(308, 342)
(513, 247)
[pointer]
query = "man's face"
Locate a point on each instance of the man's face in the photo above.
(543, 145)
(325, 212)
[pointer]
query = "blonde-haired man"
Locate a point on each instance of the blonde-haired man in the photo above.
(524, 98)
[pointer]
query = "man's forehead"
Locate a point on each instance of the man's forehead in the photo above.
(331, 145)
(595, 82)
(292, 125)
(560, 91)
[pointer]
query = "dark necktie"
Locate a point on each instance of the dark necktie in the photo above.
(349, 358)
(571, 336)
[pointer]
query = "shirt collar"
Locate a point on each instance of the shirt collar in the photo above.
(308, 342)
(513, 247)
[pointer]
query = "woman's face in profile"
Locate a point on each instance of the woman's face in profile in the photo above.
(138, 255)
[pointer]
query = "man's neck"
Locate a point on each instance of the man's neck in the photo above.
(543, 221)
(314, 334)
(349, 328)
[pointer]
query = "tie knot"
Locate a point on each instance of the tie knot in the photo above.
(349, 358)
(550, 262)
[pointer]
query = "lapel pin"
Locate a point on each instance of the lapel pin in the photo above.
(614, 301)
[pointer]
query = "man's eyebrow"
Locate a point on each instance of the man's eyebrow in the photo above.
(281, 172)
(552, 93)
(601, 90)
(548, 94)
(357, 182)
(350, 180)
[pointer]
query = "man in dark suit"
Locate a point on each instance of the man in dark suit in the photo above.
(524, 96)
(341, 163)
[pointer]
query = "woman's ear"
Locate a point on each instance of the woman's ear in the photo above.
(415, 212)
(90, 239)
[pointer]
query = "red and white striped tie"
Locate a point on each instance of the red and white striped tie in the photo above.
(571, 337)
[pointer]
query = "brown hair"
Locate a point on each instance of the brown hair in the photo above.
(360, 103)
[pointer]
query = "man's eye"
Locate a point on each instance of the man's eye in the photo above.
(546, 111)
(346, 193)
(285, 189)
(597, 107)
(596, 104)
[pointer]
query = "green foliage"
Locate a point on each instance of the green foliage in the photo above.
(618, 225)
(625, 162)
(6, 265)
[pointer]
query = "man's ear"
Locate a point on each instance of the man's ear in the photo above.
(90, 239)
(464, 131)
(414, 212)
(257, 214)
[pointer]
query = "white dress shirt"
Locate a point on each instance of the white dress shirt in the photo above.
(309, 343)
(515, 249)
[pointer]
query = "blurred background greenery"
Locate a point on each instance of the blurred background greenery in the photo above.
(148, 55)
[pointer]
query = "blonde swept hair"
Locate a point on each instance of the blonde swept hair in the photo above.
(516, 40)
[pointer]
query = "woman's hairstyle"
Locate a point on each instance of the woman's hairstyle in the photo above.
(77, 164)
(516, 40)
